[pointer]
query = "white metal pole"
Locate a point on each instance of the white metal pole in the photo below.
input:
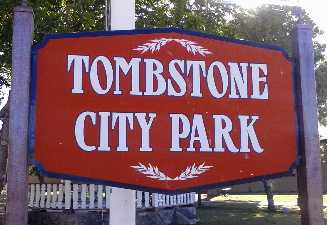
(107, 15)
(122, 201)
(122, 14)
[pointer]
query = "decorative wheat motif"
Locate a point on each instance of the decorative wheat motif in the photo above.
(153, 172)
(150, 171)
(193, 171)
(193, 47)
(156, 44)
(153, 45)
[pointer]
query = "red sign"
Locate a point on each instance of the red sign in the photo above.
(161, 109)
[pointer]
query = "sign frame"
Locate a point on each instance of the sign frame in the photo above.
(31, 135)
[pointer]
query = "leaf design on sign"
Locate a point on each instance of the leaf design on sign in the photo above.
(150, 171)
(154, 172)
(193, 171)
(156, 44)
(153, 45)
(193, 47)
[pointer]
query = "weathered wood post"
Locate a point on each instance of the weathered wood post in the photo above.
(309, 170)
(270, 197)
(18, 121)
(199, 199)
(122, 201)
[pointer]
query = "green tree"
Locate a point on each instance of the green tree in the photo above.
(201, 15)
(321, 81)
(274, 24)
(49, 17)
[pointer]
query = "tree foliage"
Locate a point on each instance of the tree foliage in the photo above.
(273, 24)
(49, 17)
(202, 15)
(321, 80)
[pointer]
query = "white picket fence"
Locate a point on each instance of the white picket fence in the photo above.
(68, 195)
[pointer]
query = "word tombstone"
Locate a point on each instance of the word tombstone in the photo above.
(162, 109)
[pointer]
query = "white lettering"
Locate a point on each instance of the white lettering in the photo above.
(238, 80)
(153, 70)
(177, 77)
(79, 130)
(257, 79)
(211, 81)
(145, 127)
(123, 119)
(248, 133)
(78, 61)
(125, 67)
(199, 128)
(197, 67)
(94, 76)
(178, 132)
(222, 133)
(104, 131)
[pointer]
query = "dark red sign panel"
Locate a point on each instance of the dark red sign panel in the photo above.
(161, 109)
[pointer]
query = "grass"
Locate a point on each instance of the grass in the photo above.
(251, 210)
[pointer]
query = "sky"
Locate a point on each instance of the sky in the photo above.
(315, 8)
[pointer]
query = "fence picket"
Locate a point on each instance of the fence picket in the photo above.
(60, 196)
(75, 196)
(139, 199)
(42, 199)
(171, 200)
(100, 197)
(155, 200)
(193, 197)
(179, 199)
(146, 199)
(32, 195)
(48, 196)
(91, 194)
(67, 194)
(108, 193)
(83, 196)
(37, 196)
(54, 196)
(167, 198)
(162, 200)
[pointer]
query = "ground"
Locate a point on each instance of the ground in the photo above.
(251, 210)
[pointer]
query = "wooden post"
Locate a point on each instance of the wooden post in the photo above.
(199, 199)
(270, 197)
(122, 201)
(18, 122)
(309, 170)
